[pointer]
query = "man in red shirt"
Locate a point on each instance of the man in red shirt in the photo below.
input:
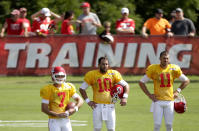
(13, 25)
(42, 23)
(125, 25)
(26, 22)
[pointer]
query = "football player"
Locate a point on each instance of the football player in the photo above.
(163, 76)
(102, 80)
(55, 98)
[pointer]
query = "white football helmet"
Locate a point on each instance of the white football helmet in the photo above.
(180, 105)
(58, 75)
(109, 38)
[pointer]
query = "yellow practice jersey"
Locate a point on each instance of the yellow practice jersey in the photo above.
(101, 84)
(163, 80)
(58, 97)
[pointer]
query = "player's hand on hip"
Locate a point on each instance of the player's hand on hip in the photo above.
(92, 104)
(123, 102)
(152, 97)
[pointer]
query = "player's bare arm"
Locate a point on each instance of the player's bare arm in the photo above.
(92, 104)
(123, 101)
(185, 82)
(79, 103)
(146, 91)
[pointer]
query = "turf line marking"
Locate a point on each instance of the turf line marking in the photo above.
(35, 123)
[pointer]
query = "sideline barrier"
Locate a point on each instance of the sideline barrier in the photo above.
(79, 53)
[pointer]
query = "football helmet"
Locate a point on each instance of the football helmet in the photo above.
(58, 75)
(108, 38)
(180, 105)
(117, 92)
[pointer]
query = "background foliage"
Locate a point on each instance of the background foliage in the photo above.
(140, 10)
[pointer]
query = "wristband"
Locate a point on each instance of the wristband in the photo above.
(179, 90)
(87, 100)
(76, 109)
(67, 113)
(125, 95)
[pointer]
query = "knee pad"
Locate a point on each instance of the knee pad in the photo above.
(157, 127)
(169, 127)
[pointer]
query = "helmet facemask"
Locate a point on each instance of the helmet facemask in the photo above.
(58, 75)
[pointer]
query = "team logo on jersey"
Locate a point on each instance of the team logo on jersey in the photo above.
(111, 73)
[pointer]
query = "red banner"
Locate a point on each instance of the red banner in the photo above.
(79, 54)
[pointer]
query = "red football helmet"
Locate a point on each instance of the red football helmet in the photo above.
(58, 75)
(180, 104)
(117, 92)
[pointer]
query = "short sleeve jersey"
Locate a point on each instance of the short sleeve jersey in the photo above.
(102, 84)
(14, 27)
(163, 80)
(26, 23)
(157, 26)
(125, 24)
(67, 28)
(41, 25)
(58, 97)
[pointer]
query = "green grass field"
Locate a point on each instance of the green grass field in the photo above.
(20, 107)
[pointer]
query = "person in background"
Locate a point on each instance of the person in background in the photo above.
(13, 25)
(163, 76)
(56, 97)
(42, 23)
(125, 25)
(182, 26)
(106, 32)
(102, 80)
(89, 21)
(157, 25)
(67, 24)
(172, 17)
(26, 22)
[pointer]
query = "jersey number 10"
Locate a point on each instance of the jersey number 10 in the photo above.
(102, 84)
